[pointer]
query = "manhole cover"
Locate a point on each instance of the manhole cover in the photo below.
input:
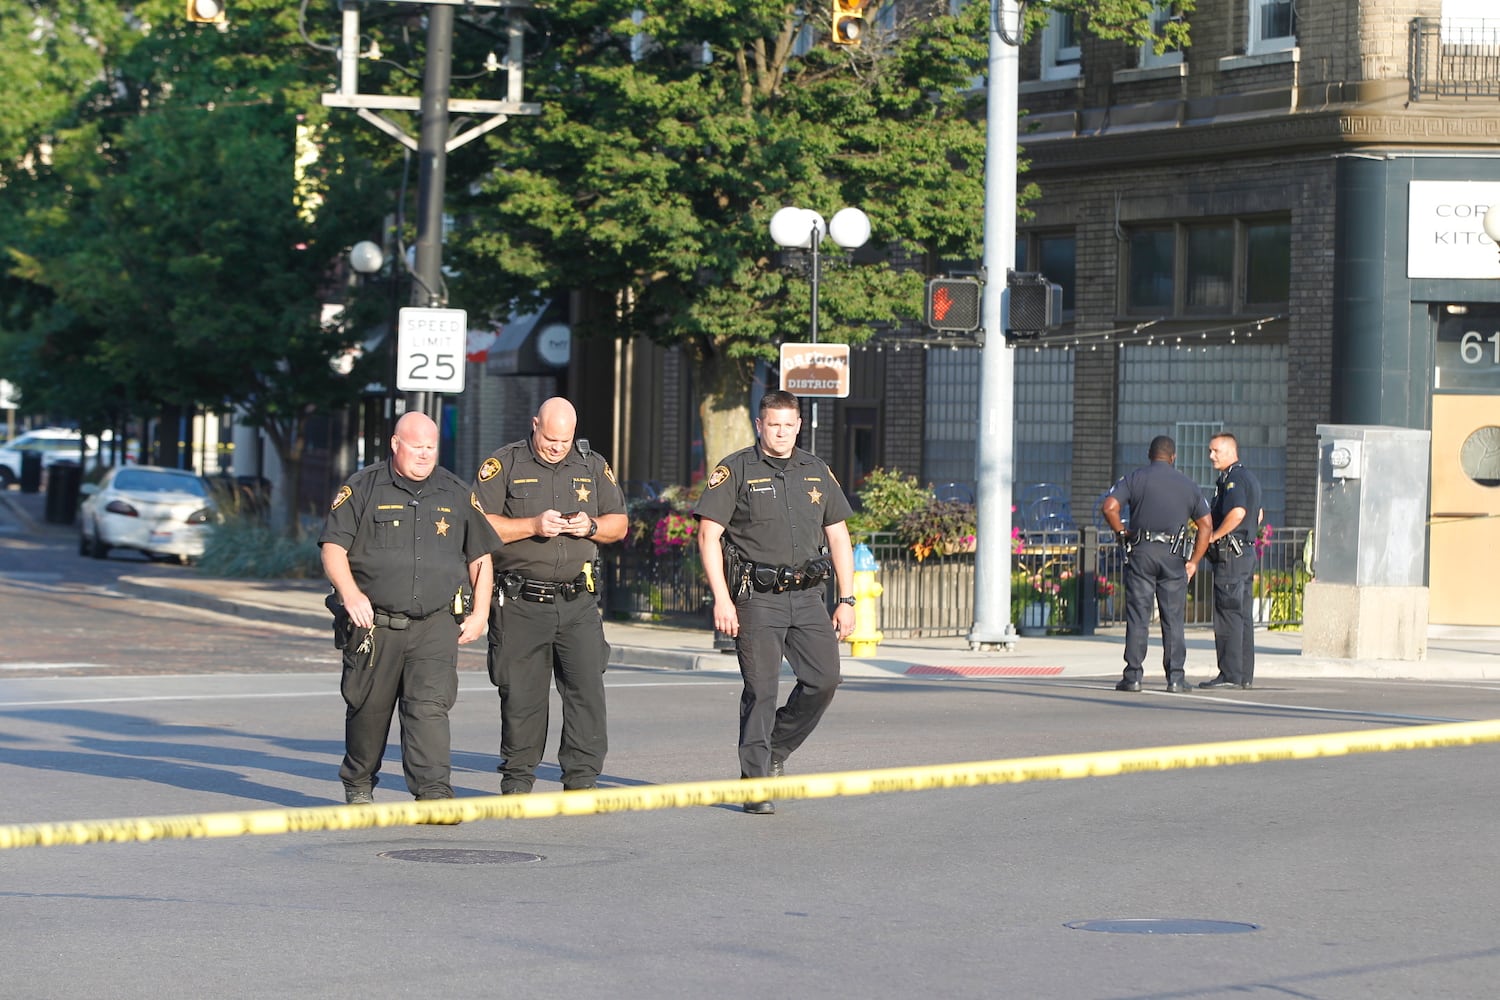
(1154, 925)
(449, 856)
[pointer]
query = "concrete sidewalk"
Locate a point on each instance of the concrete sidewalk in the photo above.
(1451, 653)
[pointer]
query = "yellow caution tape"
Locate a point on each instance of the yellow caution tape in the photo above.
(709, 793)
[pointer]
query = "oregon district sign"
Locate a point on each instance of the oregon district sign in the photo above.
(815, 369)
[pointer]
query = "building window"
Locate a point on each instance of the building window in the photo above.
(1151, 271)
(1223, 268)
(1061, 53)
(1192, 451)
(1057, 260)
(1273, 26)
(1209, 262)
(1268, 264)
(1150, 58)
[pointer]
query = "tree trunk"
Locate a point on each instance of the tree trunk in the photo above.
(724, 405)
(289, 439)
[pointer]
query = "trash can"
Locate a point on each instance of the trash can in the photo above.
(31, 471)
(63, 480)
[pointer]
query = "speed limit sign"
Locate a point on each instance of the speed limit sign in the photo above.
(430, 350)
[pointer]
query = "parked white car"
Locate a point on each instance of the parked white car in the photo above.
(54, 444)
(161, 512)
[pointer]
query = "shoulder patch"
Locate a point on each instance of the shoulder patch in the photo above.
(489, 470)
(474, 502)
(609, 474)
(343, 494)
(721, 473)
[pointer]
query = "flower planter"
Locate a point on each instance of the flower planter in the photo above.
(1035, 618)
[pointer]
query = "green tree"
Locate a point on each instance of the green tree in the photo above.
(174, 243)
(673, 129)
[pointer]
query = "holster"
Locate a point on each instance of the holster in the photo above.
(343, 625)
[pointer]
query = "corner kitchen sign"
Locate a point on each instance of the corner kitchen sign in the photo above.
(1445, 232)
(815, 369)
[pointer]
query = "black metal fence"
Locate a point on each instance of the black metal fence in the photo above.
(1061, 581)
(1459, 57)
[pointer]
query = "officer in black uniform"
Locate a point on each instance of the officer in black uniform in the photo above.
(553, 501)
(402, 543)
(1237, 515)
(780, 513)
(1162, 501)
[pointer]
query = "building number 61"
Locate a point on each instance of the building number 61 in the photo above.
(1471, 347)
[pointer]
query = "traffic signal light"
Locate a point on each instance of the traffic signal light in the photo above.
(848, 21)
(205, 11)
(953, 304)
(1035, 305)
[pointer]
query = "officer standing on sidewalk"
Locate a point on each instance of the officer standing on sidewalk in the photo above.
(553, 501)
(1161, 501)
(403, 542)
(780, 513)
(1237, 514)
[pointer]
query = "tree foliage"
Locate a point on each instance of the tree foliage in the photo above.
(163, 247)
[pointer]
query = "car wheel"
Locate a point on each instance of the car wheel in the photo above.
(6, 477)
(83, 544)
(97, 548)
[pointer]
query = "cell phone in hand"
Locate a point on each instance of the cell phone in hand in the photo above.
(569, 517)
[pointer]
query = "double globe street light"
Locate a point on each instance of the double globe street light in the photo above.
(804, 229)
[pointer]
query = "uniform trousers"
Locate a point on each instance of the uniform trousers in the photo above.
(1155, 575)
(794, 625)
(531, 646)
(415, 668)
(1234, 623)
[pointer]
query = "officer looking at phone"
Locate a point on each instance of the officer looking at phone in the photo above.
(553, 501)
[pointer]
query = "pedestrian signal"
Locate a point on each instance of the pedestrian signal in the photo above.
(953, 303)
(848, 22)
(205, 11)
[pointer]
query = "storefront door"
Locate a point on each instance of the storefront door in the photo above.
(1464, 533)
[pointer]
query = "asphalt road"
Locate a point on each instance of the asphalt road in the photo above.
(1367, 876)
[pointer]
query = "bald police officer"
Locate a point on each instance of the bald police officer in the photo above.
(1237, 513)
(781, 513)
(402, 541)
(1161, 501)
(552, 500)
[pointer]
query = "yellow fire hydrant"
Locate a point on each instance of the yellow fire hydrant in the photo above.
(866, 635)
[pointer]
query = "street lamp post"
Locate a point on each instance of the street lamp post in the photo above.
(804, 229)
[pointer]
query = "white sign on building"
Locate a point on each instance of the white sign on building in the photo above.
(1445, 232)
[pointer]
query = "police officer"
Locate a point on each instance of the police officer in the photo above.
(781, 512)
(1237, 515)
(403, 541)
(553, 501)
(1162, 501)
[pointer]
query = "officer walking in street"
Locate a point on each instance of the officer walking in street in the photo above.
(1237, 515)
(553, 501)
(770, 533)
(1161, 501)
(404, 544)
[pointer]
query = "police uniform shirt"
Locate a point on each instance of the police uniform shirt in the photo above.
(409, 543)
(514, 482)
(1161, 499)
(1237, 488)
(774, 510)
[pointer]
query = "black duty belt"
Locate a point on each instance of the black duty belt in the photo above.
(517, 587)
(1166, 538)
(396, 622)
(775, 579)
